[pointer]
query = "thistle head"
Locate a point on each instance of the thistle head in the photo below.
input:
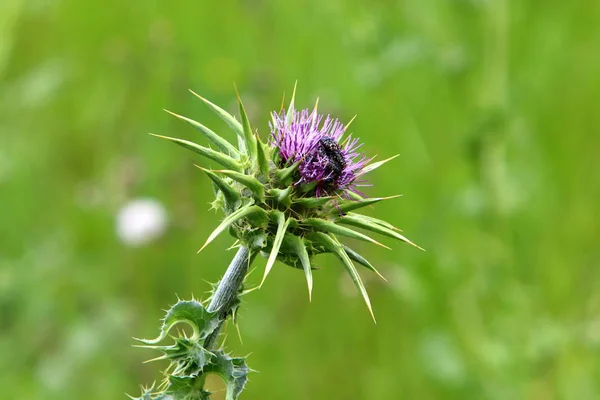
(292, 196)
(316, 143)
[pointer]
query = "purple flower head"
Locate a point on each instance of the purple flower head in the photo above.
(314, 140)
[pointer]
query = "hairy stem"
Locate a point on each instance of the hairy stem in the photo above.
(229, 286)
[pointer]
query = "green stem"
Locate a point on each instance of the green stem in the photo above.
(228, 289)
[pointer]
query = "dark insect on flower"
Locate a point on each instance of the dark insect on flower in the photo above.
(330, 150)
(312, 139)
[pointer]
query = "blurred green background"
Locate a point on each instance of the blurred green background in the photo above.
(492, 105)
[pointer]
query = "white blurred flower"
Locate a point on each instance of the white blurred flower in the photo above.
(141, 221)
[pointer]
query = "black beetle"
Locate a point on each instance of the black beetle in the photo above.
(330, 149)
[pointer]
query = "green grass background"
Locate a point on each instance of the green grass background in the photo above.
(492, 105)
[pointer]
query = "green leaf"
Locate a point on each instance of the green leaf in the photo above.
(232, 197)
(230, 219)
(312, 202)
(191, 312)
(282, 226)
(249, 138)
(376, 165)
(363, 222)
(261, 157)
(354, 256)
(350, 205)
(217, 140)
(332, 227)
(297, 246)
(211, 154)
(234, 372)
(333, 246)
(257, 188)
(224, 115)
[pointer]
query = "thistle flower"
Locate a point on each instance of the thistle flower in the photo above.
(292, 197)
(315, 144)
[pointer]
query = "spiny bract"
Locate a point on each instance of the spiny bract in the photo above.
(292, 196)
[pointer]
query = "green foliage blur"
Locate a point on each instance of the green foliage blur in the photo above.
(492, 106)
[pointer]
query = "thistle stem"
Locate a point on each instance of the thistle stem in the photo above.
(228, 288)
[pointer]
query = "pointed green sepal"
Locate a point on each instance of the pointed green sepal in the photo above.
(332, 227)
(312, 202)
(232, 196)
(223, 159)
(375, 165)
(290, 112)
(354, 196)
(376, 221)
(262, 158)
(217, 140)
(230, 219)
(285, 175)
(224, 115)
(282, 225)
(297, 246)
(332, 245)
(364, 222)
(282, 196)
(257, 188)
(250, 140)
(354, 256)
(349, 205)
(307, 187)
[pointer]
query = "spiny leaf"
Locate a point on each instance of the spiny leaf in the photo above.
(350, 205)
(185, 387)
(234, 372)
(192, 312)
(223, 159)
(149, 394)
(297, 246)
(217, 140)
(334, 246)
(375, 165)
(249, 181)
(354, 256)
(364, 223)
(224, 115)
(332, 227)
(232, 196)
(230, 219)
(247, 129)
(282, 226)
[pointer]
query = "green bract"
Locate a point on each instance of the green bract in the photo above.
(270, 212)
